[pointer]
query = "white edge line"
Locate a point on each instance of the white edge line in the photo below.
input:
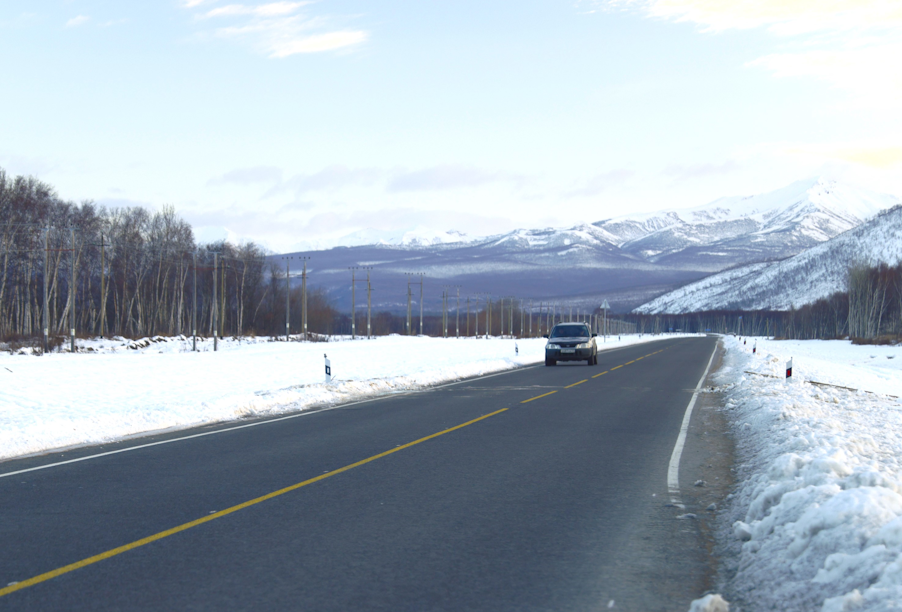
(673, 471)
(265, 421)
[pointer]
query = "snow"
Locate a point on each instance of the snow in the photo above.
(108, 391)
(710, 603)
(813, 274)
(817, 514)
(815, 522)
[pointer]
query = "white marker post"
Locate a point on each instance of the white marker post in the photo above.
(328, 369)
(789, 368)
(516, 349)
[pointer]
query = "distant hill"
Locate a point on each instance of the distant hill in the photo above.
(815, 273)
(628, 261)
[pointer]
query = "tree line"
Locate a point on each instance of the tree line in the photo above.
(128, 272)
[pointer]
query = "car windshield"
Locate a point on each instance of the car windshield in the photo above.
(570, 331)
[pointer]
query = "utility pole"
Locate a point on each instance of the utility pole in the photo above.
(368, 304)
(102, 287)
(354, 282)
(522, 317)
(530, 319)
(604, 325)
(287, 299)
(457, 312)
(304, 298)
(194, 310)
(488, 317)
(215, 300)
(46, 275)
(222, 300)
(444, 312)
(510, 318)
(410, 297)
(72, 285)
(468, 316)
(407, 274)
(353, 304)
(501, 312)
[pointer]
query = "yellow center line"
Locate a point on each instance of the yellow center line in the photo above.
(164, 534)
(597, 375)
(577, 383)
(538, 397)
(616, 367)
(629, 362)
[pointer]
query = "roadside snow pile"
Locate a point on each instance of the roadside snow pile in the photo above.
(817, 515)
(114, 391)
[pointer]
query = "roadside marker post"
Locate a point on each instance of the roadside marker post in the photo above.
(789, 368)
(328, 368)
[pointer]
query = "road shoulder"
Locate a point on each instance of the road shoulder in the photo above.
(707, 476)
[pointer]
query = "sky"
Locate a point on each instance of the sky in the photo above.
(297, 124)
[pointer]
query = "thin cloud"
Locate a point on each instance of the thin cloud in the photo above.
(247, 176)
(783, 17)
(273, 9)
(331, 178)
(846, 43)
(601, 182)
(873, 155)
(447, 177)
(278, 29)
(77, 21)
(692, 171)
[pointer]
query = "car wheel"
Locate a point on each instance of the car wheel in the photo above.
(550, 362)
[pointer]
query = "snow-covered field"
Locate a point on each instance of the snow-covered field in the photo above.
(108, 391)
(817, 514)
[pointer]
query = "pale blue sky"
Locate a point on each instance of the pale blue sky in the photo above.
(286, 122)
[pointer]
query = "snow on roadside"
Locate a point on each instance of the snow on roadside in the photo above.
(817, 514)
(111, 391)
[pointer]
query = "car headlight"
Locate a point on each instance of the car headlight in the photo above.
(552, 346)
(583, 345)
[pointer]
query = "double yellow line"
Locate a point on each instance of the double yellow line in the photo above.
(532, 399)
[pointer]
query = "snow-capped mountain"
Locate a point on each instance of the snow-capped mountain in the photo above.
(627, 261)
(815, 273)
(413, 238)
(735, 230)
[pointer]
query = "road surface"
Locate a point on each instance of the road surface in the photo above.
(544, 488)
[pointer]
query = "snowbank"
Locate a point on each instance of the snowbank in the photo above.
(109, 390)
(817, 515)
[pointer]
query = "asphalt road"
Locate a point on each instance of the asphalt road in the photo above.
(556, 499)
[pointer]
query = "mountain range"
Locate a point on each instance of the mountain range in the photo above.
(628, 260)
(815, 273)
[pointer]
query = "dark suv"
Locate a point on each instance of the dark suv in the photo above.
(571, 342)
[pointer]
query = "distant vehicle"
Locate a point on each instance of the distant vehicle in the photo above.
(571, 342)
